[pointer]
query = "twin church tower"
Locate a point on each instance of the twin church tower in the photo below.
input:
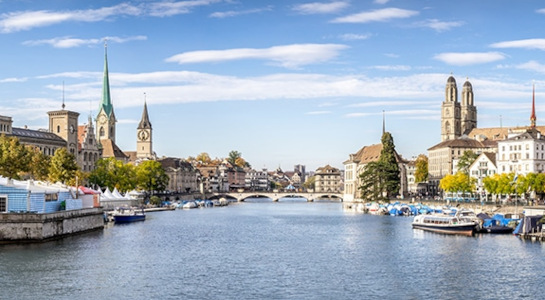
(457, 118)
(106, 130)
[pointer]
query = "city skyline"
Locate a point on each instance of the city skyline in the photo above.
(282, 82)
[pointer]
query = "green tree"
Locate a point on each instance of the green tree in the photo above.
(14, 157)
(372, 182)
(310, 183)
(466, 160)
(113, 173)
(233, 156)
(63, 166)
(390, 172)
(151, 176)
(39, 164)
(421, 172)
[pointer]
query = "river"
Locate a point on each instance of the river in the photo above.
(290, 249)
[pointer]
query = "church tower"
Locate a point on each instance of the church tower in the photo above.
(533, 117)
(450, 112)
(64, 123)
(144, 136)
(106, 117)
(469, 111)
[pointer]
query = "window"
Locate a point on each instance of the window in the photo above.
(527, 146)
(3, 203)
(58, 129)
(51, 197)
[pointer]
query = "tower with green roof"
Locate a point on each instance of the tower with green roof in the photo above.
(106, 117)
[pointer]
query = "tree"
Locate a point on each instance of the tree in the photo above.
(39, 164)
(372, 178)
(391, 175)
(233, 156)
(151, 176)
(113, 173)
(466, 160)
(459, 182)
(14, 157)
(63, 166)
(203, 158)
(421, 172)
(310, 183)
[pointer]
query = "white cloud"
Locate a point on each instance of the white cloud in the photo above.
(469, 58)
(392, 68)
(541, 11)
(525, 44)
(320, 8)
(379, 15)
(25, 20)
(320, 112)
(354, 36)
(289, 56)
(396, 103)
(407, 112)
(171, 8)
(69, 42)
(234, 13)
(532, 66)
(439, 26)
(13, 79)
(381, 1)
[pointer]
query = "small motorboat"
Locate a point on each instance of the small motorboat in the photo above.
(128, 215)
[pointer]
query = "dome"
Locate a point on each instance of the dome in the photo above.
(467, 84)
(451, 80)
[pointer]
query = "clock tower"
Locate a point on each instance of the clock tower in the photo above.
(144, 136)
(64, 123)
(106, 117)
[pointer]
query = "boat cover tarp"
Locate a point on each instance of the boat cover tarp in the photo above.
(528, 224)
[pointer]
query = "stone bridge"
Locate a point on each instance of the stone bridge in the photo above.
(241, 196)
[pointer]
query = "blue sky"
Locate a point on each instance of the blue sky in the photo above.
(283, 82)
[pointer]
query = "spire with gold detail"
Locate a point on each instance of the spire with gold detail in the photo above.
(533, 116)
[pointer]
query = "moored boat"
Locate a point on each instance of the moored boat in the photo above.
(447, 224)
(128, 216)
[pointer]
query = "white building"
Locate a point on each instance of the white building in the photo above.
(522, 153)
(483, 166)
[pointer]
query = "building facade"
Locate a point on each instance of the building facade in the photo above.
(327, 179)
(457, 118)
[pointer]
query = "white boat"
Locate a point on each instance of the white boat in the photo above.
(460, 223)
(189, 205)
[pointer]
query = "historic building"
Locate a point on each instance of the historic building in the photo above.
(183, 177)
(355, 165)
(483, 166)
(88, 147)
(457, 118)
(257, 180)
(144, 141)
(327, 180)
(523, 151)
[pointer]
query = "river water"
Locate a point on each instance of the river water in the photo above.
(273, 250)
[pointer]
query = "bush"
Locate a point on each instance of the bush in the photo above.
(154, 200)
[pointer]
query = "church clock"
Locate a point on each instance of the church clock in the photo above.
(143, 135)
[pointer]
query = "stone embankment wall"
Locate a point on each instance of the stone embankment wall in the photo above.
(33, 227)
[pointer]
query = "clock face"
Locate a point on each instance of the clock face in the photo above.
(143, 135)
(102, 119)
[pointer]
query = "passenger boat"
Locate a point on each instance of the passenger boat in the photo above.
(128, 215)
(448, 224)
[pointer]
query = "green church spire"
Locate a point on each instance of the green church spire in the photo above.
(106, 103)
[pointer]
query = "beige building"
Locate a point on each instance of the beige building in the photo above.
(442, 157)
(355, 165)
(457, 118)
(183, 177)
(88, 147)
(327, 180)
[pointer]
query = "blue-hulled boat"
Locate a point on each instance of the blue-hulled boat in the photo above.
(128, 216)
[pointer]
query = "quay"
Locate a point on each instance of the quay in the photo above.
(26, 227)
